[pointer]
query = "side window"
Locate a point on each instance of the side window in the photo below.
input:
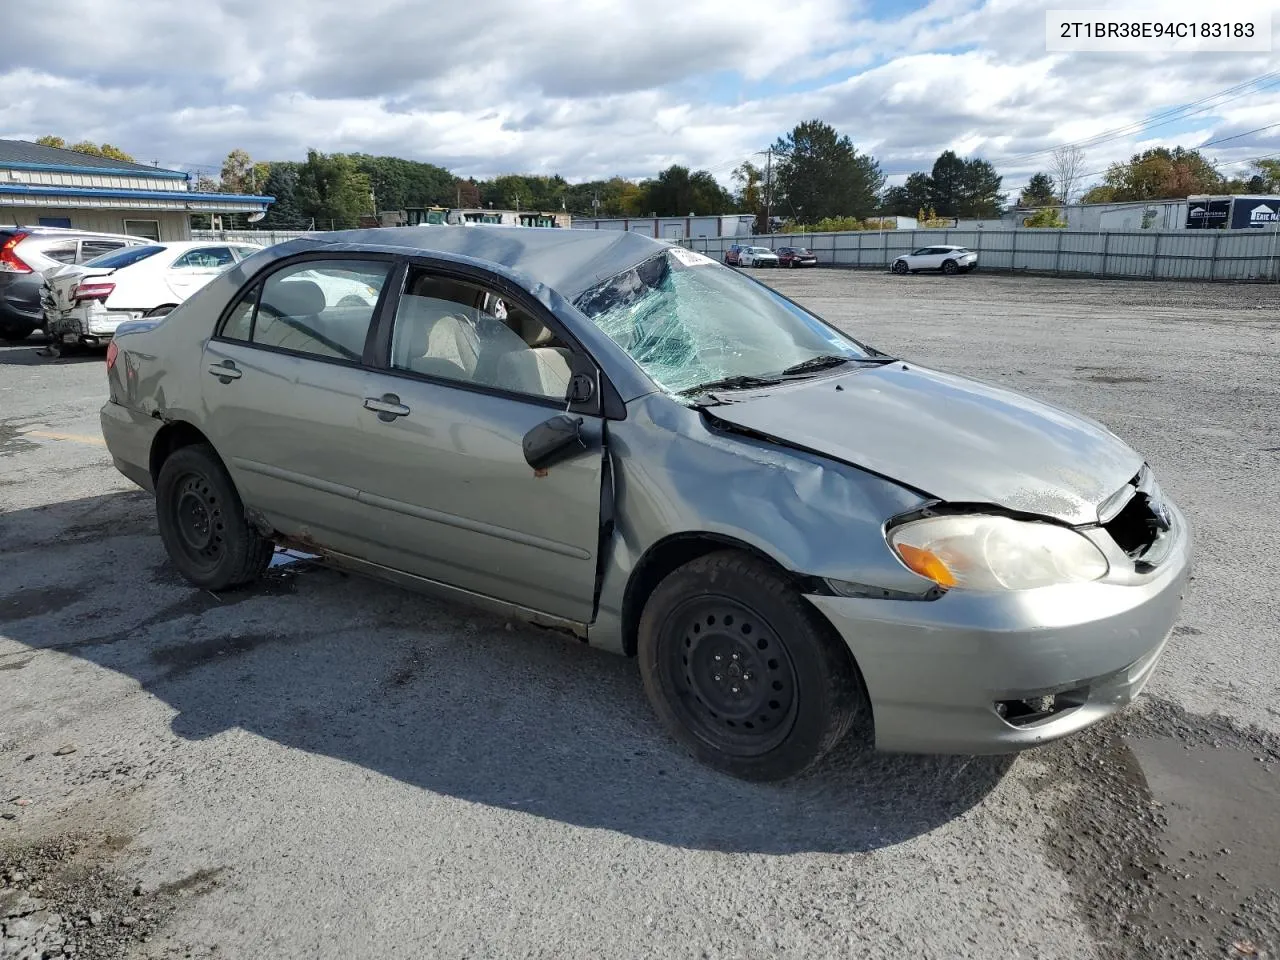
(204, 258)
(322, 308)
(96, 248)
(244, 253)
(923, 251)
(64, 251)
(466, 333)
(239, 322)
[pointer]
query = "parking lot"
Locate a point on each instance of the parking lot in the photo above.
(327, 767)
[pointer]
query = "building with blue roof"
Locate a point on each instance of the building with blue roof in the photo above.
(48, 186)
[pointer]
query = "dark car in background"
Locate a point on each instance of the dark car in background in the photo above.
(795, 257)
(26, 253)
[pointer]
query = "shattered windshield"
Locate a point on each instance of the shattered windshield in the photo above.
(688, 321)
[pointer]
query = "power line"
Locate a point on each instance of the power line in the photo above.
(1172, 115)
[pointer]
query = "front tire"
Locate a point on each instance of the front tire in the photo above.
(202, 522)
(742, 671)
(900, 268)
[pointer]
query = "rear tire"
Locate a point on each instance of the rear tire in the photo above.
(202, 522)
(742, 671)
(950, 268)
(161, 311)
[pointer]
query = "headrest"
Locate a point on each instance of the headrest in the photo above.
(295, 298)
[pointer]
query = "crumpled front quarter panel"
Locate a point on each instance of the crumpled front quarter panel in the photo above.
(674, 475)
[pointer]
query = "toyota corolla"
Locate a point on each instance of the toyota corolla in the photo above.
(794, 534)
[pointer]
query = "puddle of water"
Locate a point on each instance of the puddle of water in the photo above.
(1221, 838)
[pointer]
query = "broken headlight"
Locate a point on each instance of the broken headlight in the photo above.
(980, 552)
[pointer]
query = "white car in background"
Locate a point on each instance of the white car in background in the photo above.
(757, 257)
(947, 258)
(83, 304)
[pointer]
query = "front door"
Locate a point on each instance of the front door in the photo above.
(468, 373)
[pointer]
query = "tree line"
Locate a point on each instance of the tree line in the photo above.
(813, 177)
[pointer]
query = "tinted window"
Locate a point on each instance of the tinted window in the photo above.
(125, 257)
(464, 332)
(64, 251)
(205, 258)
(97, 248)
(245, 253)
(321, 307)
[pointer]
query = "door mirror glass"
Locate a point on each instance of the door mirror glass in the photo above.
(553, 440)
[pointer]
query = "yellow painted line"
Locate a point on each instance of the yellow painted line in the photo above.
(72, 437)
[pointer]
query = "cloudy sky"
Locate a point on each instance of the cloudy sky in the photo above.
(592, 88)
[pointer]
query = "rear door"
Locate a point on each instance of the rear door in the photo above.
(470, 369)
(193, 269)
(284, 383)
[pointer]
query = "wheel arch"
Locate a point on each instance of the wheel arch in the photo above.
(668, 554)
(173, 436)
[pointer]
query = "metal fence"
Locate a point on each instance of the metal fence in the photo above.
(266, 238)
(1146, 254)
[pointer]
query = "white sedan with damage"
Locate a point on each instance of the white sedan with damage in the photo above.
(84, 303)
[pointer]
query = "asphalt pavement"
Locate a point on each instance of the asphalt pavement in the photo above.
(322, 766)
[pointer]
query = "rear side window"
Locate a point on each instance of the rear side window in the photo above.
(321, 308)
(98, 248)
(124, 258)
(63, 251)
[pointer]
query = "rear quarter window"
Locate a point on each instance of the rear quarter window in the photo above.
(124, 258)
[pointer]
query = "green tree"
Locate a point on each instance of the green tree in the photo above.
(750, 193)
(105, 150)
(965, 188)
(333, 190)
(282, 183)
(676, 192)
(48, 140)
(206, 184)
(1040, 191)
(240, 174)
(905, 200)
(398, 183)
(1161, 174)
(820, 174)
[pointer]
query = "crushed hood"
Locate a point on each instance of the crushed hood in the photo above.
(949, 437)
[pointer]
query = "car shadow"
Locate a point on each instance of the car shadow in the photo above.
(35, 352)
(435, 695)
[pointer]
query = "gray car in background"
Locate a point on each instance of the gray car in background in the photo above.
(794, 533)
(26, 253)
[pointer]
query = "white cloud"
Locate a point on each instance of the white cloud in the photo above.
(590, 89)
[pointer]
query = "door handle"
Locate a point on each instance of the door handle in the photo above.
(387, 407)
(226, 371)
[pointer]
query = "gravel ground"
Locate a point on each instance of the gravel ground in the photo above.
(325, 767)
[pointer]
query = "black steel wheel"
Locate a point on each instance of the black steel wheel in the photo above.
(742, 671)
(202, 522)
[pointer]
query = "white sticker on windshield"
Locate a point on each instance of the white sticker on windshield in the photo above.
(690, 258)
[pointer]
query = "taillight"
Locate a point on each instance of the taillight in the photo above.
(112, 350)
(93, 291)
(10, 262)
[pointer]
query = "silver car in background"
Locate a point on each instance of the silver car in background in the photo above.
(794, 533)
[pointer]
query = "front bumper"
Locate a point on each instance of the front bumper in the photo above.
(939, 673)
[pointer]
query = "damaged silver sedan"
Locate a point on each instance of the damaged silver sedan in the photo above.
(795, 534)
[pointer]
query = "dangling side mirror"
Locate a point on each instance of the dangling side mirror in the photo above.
(553, 440)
